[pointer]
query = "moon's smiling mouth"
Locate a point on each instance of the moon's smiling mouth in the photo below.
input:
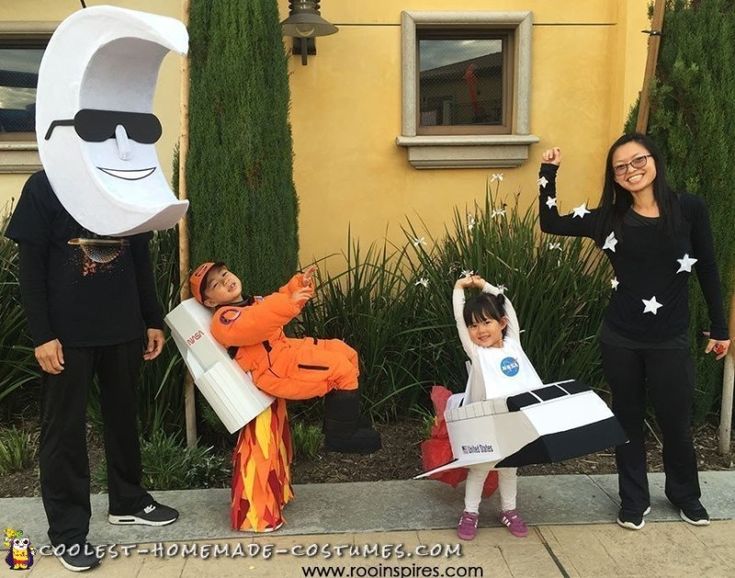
(128, 175)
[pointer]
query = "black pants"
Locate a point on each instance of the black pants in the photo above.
(667, 376)
(63, 447)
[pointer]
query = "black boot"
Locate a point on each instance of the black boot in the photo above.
(343, 426)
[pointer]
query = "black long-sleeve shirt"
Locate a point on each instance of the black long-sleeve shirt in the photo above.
(77, 287)
(650, 297)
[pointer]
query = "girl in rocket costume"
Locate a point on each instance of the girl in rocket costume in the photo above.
(488, 330)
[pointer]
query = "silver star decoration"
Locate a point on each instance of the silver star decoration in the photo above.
(542, 182)
(419, 241)
(496, 177)
(610, 242)
(424, 282)
(685, 263)
(551, 202)
(614, 283)
(651, 305)
(467, 273)
(553, 246)
(580, 211)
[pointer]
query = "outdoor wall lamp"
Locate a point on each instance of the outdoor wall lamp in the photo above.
(305, 23)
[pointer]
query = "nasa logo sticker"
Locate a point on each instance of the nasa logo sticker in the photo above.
(509, 366)
(229, 316)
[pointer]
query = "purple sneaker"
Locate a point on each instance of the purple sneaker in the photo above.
(515, 523)
(467, 527)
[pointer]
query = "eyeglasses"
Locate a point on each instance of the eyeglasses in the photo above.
(99, 125)
(636, 163)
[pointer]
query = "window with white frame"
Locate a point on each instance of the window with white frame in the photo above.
(466, 78)
(22, 45)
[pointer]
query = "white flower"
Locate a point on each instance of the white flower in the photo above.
(497, 213)
(553, 246)
(496, 177)
(467, 273)
(502, 289)
(419, 241)
(423, 282)
(471, 221)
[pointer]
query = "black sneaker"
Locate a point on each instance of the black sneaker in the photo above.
(695, 514)
(154, 514)
(79, 557)
(632, 521)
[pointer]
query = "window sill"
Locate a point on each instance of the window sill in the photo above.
(467, 151)
(19, 157)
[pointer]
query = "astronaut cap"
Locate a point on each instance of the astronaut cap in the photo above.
(198, 279)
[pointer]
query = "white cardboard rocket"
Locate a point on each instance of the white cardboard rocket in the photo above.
(94, 119)
(228, 389)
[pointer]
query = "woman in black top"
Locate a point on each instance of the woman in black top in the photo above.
(652, 237)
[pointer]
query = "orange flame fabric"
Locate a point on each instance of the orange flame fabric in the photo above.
(437, 451)
(261, 471)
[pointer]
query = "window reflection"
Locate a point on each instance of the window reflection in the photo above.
(461, 81)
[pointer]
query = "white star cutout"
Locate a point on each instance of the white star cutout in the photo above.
(542, 182)
(651, 305)
(614, 283)
(581, 211)
(551, 202)
(685, 263)
(610, 242)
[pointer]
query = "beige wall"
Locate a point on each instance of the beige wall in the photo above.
(166, 102)
(587, 68)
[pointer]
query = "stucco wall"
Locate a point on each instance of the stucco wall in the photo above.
(587, 68)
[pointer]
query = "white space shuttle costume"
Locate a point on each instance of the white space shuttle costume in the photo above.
(509, 418)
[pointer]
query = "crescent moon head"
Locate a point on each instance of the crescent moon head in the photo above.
(94, 118)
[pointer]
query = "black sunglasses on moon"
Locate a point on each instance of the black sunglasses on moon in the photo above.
(99, 125)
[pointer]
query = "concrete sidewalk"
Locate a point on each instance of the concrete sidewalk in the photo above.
(572, 519)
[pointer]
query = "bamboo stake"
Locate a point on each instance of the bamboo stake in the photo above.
(654, 40)
(189, 395)
(728, 385)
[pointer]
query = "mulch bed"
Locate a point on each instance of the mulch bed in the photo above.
(400, 459)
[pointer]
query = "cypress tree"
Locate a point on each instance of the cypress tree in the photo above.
(693, 121)
(239, 174)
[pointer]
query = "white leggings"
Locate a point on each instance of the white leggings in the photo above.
(507, 485)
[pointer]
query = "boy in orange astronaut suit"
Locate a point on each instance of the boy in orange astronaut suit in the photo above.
(252, 330)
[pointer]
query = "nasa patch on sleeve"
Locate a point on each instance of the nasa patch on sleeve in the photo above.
(229, 316)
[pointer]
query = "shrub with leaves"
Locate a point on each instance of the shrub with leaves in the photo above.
(17, 364)
(169, 465)
(17, 449)
(307, 440)
(393, 304)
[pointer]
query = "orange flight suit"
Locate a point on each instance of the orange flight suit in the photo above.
(281, 366)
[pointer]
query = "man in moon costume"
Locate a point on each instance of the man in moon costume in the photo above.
(82, 226)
